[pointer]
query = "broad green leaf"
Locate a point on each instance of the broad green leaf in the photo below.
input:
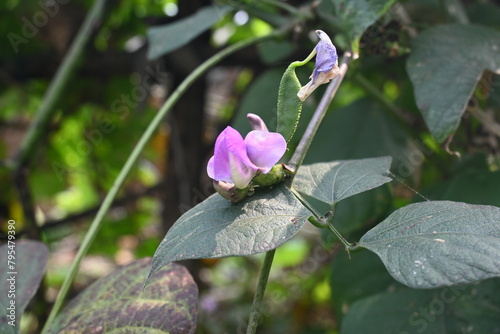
(331, 182)
(444, 66)
(216, 228)
(355, 16)
(289, 105)
(272, 51)
(363, 129)
(435, 244)
(25, 271)
(118, 303)
(166, 38)
(456, 309)
(477, 186)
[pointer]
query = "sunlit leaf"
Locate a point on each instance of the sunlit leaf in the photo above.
(435, 244)
(119, 304)
(166, 38)
(216, 228)
(444, 66)
(331, 182)
(457, 309)
(20, 276)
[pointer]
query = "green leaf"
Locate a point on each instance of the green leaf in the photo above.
(444, 66)
(362, 129)
(435, 244)
(457, 309)
(289, 105)
(355, 16)
(28, 261)
(166, 38)
(118, 303)
(476, 186)
(331, 182)
(216, 228)
(272, 51)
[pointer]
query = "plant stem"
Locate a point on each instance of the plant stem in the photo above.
(146, 136)
(253, 322)
(48, 107)
(300, 153)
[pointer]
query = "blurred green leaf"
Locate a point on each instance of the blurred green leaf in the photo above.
(166, 38)
(28, 262)
(458, 309)
(272, 51)
(435, 244)
(354, 278)
(119, 304)
(355, 16)
(216, 228)
(363, 129)
(470, 186)
(331, 182)
(444, 66)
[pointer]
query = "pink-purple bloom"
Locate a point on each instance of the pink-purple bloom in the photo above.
(238, 161)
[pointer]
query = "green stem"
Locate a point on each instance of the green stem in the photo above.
(305, 61)
(259, 294)
(146, 136)
(346, 243)
(48, 107)
(303, 146)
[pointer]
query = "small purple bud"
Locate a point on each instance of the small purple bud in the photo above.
(326, 67)
(256, 123)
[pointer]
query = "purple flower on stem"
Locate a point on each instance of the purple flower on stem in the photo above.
(326, 65)
(238, 161)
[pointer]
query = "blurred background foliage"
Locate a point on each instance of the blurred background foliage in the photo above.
(116, 91)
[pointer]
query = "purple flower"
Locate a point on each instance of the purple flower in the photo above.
(238, 161)
(326, 67)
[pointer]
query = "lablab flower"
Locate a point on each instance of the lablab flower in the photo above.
(326, 67)
(237, 161)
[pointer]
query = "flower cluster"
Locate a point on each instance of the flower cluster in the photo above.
(326, 65)
(237, 161)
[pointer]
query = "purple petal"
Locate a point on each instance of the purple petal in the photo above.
(210, 168)
(265, 148)
(326, 58)
(230, 162)
(256, 123)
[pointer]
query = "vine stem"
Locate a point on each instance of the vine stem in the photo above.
(303, 146)
(253, 321)
(139, 147)
(56, 87)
